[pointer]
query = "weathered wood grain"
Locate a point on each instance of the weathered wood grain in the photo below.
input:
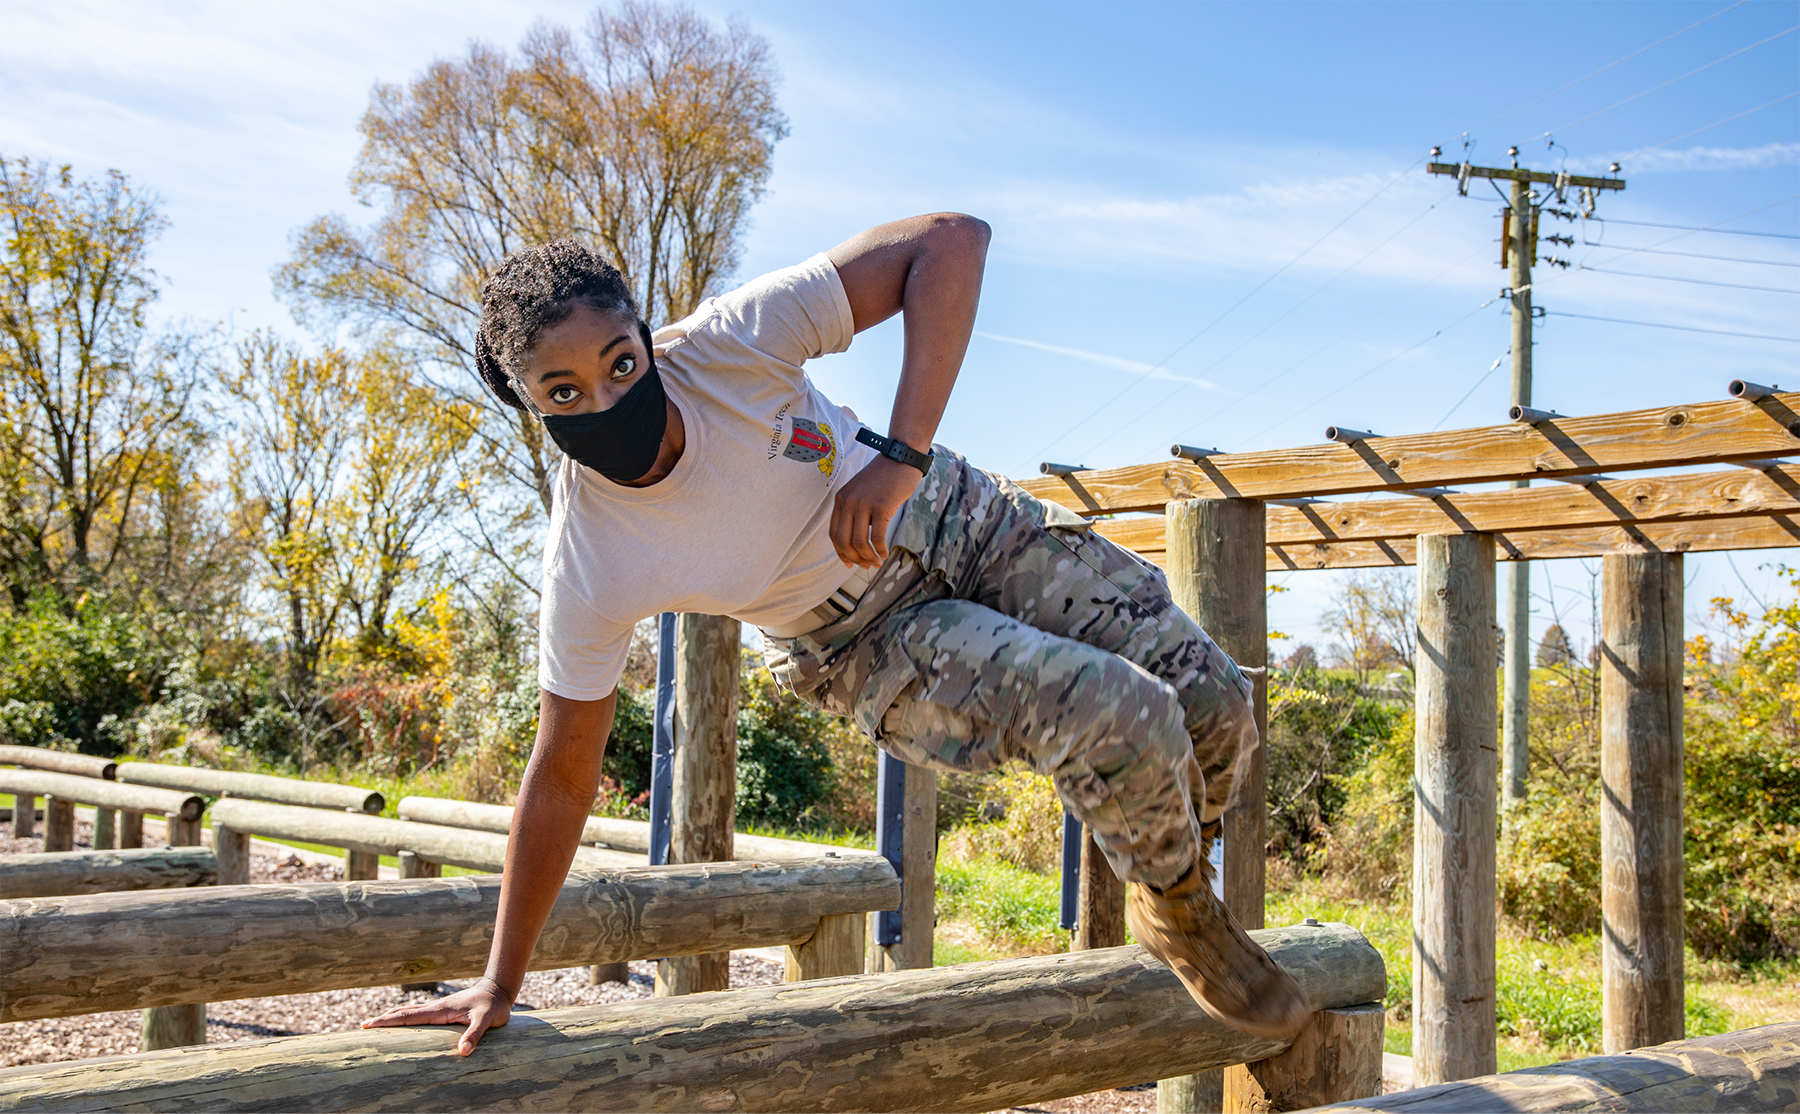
(834, 951)
(704, 792)
(74, 955)
(1455, 777)
(106, 827)
(99, 872)
(918, 877)
(59, 825)
(37, 758)
(102, 794)
(232, 850)
(378, 835)
(1750, 1070)
(252, 787)
(24, 815)
(1100, 901)
(1666, 437)
(1337, 1057)
(605, 831)
(1641, 775)
(975, 1037)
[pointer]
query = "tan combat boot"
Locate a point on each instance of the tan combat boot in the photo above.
(1229, 974)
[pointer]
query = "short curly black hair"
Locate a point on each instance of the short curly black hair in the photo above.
(537, 289)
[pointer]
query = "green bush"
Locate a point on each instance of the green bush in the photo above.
(73, 673)
(1018, 909)
(1321, 725)
(784, 766)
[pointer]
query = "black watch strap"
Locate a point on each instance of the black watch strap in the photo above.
(894, 450)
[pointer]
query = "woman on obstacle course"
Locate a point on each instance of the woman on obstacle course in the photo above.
(957, 619)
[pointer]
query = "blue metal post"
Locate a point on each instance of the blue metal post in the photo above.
(890, 824)
(662, 746)
(1071, 869)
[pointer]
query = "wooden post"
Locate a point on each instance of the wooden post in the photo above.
(175, 1026)
(131, 829)
(1100, 921)
(232, 848)
(361, 866)
(59, 824)
(1336, 1058)
(836, 949)
(1643, 975)
(24, 818)
(1216, 558)
(705, 786)
(918, 878)
(412, 866)
(105, 828)
(1456, 774)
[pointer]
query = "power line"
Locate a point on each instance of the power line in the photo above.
(1686, 231)
(1145, 374)
(1697, 282)
(1682, 328)
(1708, 228)
(1485, 376)
(1666, 84)
(1606, 67)
(1711, 126)
(1717, 258)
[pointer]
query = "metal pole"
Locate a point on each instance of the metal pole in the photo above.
(1516, 713)
(890, 828)
(1071, 870)
(662, 746)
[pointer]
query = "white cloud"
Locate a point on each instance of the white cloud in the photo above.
(1695, 158)
(1152, 371)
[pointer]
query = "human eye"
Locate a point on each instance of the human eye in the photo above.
(563, 395)
(625, 366)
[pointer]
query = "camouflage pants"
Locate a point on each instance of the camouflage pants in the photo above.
(1004, 628)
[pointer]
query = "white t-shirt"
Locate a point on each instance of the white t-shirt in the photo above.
(740, 526)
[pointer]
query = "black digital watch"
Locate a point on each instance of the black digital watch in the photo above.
(895, 450)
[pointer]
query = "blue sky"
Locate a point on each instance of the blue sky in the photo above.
(1212, 221)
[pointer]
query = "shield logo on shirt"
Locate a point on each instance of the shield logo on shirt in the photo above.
(808, 442)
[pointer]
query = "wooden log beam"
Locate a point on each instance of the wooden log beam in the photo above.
(56, 761)
(1641, 774)
(1667, 437)
(252, 787)
(606, 831)
(1753, 1069)
(1456, 775)
(376, 835)
(99, 872)
(66, 956)
(102, 794)
(975, 1037)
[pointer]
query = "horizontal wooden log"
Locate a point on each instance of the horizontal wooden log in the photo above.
(103, 794)
(101, 872)
(1709, 536)
(76, 955)
(976, 1037)
(605, 831)
(377, 835)
(37, 758)
(1753, 1069)
(1666, 437)
(253, 787)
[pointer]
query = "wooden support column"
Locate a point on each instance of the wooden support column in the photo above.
(705, 786)
(232, 848)
(59, 824)
(1216, 564)
(1455, 775)
(412, 866)
(1336, 1058)
(131, 829)
(836, 949)
(918, 878)
(361, 866)
(1100, 916)
(24, 817)
(175, 1026)
(106, 823)
(1641, 800)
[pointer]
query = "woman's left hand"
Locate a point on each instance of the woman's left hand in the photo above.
(865, 505)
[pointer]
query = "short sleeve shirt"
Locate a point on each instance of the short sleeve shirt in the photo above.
(739, 527)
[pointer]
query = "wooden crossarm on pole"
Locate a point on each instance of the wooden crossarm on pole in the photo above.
(1455, 169)
(1725, 432)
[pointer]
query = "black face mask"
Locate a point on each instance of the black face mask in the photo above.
(620, 443)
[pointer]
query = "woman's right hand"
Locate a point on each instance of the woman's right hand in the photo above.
(483, 1006)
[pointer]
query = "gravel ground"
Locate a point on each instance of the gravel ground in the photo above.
(109, 1034)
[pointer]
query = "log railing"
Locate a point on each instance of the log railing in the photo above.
(98, 872)
(980, 1036)
(253, 787)
(68, 956)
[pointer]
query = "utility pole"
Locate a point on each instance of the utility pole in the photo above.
(1518, 252)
